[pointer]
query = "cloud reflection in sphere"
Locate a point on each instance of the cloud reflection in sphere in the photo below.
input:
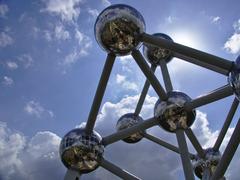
(117, 27)
(80, 152)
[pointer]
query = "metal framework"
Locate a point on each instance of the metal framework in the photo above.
(211, 62)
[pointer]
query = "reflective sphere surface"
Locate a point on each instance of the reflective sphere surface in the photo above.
(127, 121)
(171, 113)
(117, 27)
(80, 151)
(234, 78)
(155, 54)
(211, 161)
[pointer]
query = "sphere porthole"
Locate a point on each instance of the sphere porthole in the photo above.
(234, 78)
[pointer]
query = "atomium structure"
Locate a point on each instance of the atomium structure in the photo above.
(120, 30)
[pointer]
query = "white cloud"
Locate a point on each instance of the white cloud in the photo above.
(36, 158)
(3, 10)
(5, 39)
(170, 19)
(68, 10)
(35, 109)
(106, 3)
(84, 44)
(232, 45)
(7, 81)
(61, 33)
(12, 65)
(125, 84)
(215, 19)
(26, 60)
(93, 12)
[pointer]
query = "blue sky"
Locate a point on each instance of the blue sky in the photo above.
(50, 65)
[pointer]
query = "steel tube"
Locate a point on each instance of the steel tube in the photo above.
(195, 142)
(72, 175)
(149, 74)
(187, 51)
(215, 95)
(186, 162)
(202, 64)
(100, 93)
(117, 170)
(129, 131)
(228, 153)
(143, 93)
(166, 76)
(226, 124)
(165, 144)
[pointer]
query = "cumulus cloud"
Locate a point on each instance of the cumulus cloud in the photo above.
(12, 65)
(125, 84)
(7, 81)
(3, 10)
(232, 45)
(68, 10)
(35, 109)
(5, 39)
(26, 60)
(35, 158)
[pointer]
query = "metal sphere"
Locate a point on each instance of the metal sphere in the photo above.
(127, 121)
(155, 54)
(171, 114)
(210, 161)
(80, 152)
(234, 78)
(117, 27)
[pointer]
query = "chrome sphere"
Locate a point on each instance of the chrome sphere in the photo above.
(155, 54)
(127, 121)
(210, 161)
(234, 78)
(171, 114)
(117, 27)
(80, 152)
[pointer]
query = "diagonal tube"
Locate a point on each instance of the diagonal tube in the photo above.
(72, 175)
(203, 64)
(129, 131)
(228, 153)
(226, 124)
(100, 92)
(165, 144)
(166, 76)
(186, 162)
(215, 95)
(187, 51)
(143, 94)
(117, 170)
(149, 74)
(195, 142)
